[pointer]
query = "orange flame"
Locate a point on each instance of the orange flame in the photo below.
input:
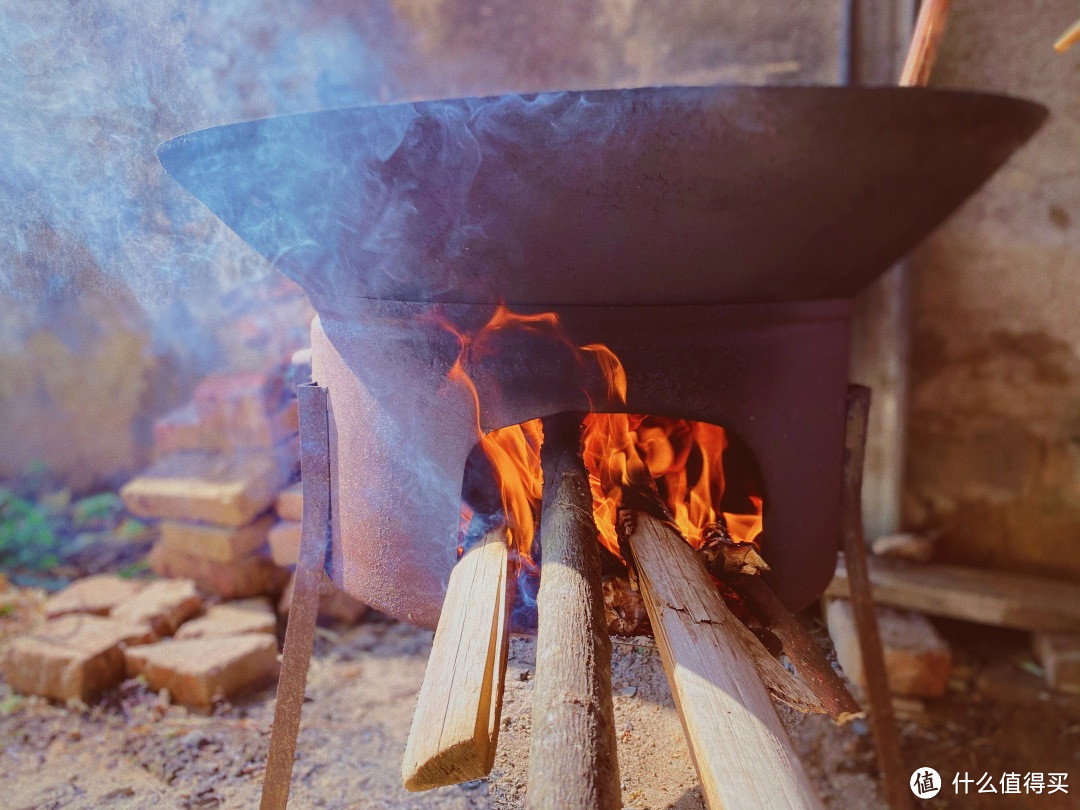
(682, 459)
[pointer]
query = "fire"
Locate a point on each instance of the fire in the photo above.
(680, 460)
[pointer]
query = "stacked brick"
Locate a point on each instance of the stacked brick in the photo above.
(104, 629)
(221, 461)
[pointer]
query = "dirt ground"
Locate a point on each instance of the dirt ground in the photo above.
(135, 750)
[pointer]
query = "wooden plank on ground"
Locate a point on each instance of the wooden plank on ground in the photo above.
(1018, 601)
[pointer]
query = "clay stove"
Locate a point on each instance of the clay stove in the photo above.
(712, 238)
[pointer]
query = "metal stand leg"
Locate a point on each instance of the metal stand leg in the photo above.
(300, 633)
(882, 719)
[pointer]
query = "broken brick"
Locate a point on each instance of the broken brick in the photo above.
(197, 672)
(252, 575)
(918, 661)
(284, 539)
(238, 618)
(290, 502)
(229, 489)
(162, 605)
(74, 657)
(97, 595)
(220, 543)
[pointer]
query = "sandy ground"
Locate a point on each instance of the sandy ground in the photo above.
(136, 751)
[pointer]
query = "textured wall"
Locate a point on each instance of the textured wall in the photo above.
(994, 453)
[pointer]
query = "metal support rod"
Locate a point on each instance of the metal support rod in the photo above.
(300, 632)
(886, 736)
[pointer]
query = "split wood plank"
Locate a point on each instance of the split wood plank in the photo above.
(741, 752)
(996, 598)
(925, 42)
(455, 727)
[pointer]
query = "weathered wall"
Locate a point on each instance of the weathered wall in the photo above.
(994, 453)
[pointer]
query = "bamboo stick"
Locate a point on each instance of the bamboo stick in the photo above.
(455, 726)
(742, 754)
(572, 762)
(929, 29)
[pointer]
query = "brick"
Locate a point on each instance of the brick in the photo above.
(163, 606)
(197, 672)
(255, 615)
(254, 389)
(185, 428)
(918, 661)
(334, 604)
(290, 502)
(285, 542)
(1059, 654)
(74, 657)
(219, 543)
(252, 575)
(97, 595)
(220, 428)
(229, 489)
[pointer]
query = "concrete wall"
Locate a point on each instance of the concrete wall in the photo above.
(994, 452)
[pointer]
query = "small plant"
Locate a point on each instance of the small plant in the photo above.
(27, 536)
(96, 511)
(134, 570)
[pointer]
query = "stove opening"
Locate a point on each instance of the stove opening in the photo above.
(697, 476)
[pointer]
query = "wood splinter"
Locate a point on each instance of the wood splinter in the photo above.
(716, 668)
(455, 726)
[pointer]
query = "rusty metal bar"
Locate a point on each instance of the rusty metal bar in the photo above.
(300, 633)
(882, 719)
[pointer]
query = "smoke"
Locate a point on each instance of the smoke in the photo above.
(90, 90)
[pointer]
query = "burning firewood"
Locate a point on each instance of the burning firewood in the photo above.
(455, 726)
(715, 668)
(572, 762)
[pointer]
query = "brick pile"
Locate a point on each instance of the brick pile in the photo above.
(224, 489)
(103, 629)
(220, 462)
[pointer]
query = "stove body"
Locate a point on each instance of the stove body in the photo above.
(711, 237)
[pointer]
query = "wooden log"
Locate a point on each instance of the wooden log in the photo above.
(996, 598)
(572, 761)
(886, 736)
(741, 752)
(1069, 38)
(929, 29)
(799, 646)
(455, 727)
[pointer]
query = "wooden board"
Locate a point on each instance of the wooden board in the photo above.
(1018, 601)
